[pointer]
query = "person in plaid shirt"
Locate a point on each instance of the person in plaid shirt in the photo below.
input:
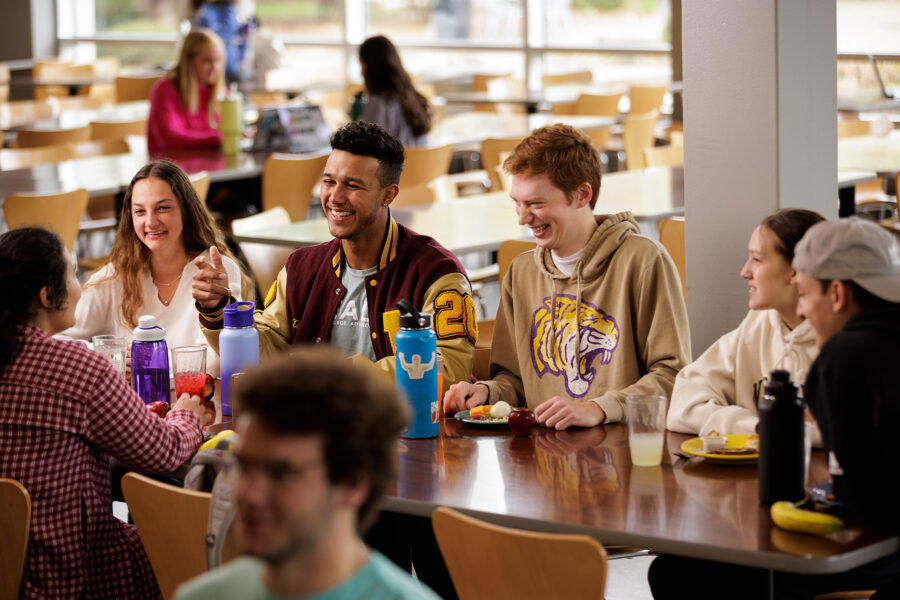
(64, 410)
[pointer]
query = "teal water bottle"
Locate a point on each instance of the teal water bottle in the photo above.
(416, 368)
(238, 347)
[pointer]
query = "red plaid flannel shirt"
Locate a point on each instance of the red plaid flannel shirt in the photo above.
(64, 411)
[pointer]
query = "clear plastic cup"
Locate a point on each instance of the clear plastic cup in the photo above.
(189, 368)
(646, 429)
(113, 347)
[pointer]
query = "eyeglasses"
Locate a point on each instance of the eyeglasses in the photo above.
(276, 471)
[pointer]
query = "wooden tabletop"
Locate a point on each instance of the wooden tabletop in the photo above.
(583, 481)
(481, 223)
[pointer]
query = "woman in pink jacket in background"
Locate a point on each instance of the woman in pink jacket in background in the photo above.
(182, 103)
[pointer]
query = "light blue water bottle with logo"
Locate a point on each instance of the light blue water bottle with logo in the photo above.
(238, 347)
(416, 361)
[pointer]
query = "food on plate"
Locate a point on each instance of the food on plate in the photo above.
(501, 410)
(480, 411)
(789, 515)
(753, 441)
(713, 443)
(521, 421)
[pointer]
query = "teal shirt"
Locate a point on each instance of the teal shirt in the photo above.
(379, 579)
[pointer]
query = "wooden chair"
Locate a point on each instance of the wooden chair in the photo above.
(847, 129)
(130, 89)
(288, 180)
(32, 138)
(664, 156)
(200, 181)
(604, 105)
(265, 260)
(507, 251)
(4, 83)
(574, 77)
(422, 166)
(172, 524)
(671, 235)
(20, 158)
(637, 134)
(491, 148)
(60, 212)
(540, 565)
(64, 103)
(105, 130)
(15, 519)
(480, 84)
(97, 148)
(24, 112)
(599, 136)
(646, 98)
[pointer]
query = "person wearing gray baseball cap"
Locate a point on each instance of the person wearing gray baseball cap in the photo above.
(848, 278)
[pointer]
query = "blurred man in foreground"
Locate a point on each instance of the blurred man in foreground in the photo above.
(316, 452)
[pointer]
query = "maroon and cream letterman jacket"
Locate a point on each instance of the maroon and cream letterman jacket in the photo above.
(301, 304)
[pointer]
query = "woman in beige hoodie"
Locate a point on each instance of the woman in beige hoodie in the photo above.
(720, 390)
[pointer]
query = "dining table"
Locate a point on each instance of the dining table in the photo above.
(878, 153)
(583, 481)
(482, 222)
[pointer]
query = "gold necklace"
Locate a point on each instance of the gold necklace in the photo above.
(167, 284)
(163, 300)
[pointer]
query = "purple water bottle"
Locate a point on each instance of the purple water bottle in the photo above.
(150, 361)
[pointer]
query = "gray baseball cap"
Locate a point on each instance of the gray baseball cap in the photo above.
(855, 250)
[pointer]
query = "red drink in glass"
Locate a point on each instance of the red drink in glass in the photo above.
(191, 382)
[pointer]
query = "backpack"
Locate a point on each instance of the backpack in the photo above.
(206, 474)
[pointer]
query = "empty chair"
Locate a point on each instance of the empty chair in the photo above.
(671, 235)
(637, 134)
(23, 112)
(265, 260)
(20, 158)
(59, 213)
(604, 105)
(15, 519)
(847, 129)
(574, 77)
(664, 156)
(31, 138)
(599, 136)
(130, 89)
(288, 180)
(105, 130)
(172, 524)
(78, 103)
(97, 148)
(200, 180)
(480, 84)
(421, 167)
(539, 565)
(4, 83)
(646, 98)
(491, 148)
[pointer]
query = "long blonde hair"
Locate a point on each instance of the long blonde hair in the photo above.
(185, 78)
(129, 256)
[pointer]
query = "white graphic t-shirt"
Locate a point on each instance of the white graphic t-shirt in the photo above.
(350, 328)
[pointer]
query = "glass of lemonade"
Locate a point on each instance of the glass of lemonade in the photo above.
(646, 429)
(189, 368)
(113, 348)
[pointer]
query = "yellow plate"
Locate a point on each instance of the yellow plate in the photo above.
(695, 446)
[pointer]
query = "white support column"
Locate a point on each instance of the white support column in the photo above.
(760, 133)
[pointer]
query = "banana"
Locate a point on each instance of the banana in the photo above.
(787, 515)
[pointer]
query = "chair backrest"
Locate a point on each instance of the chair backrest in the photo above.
(491, 148)
(129, 89)
(15, 519)
(105, 130)
(637, 134)
(480, 84)
(107, 66)
(599, 136)
(78, 103)
(664, 156)
(604, 105)
(265, 260)
(32, 138)
(23, 112)
(288, 180)
(60, 213)
(20, 158)
(646, 98)
(507, 251)
(847, 129)
(671, 235)
(171, 522)
(421, 167)
(200, 181)
(538, 565)
(98, 148)
(567, 78)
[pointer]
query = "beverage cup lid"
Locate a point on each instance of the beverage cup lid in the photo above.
(148, 331)
(239, 314)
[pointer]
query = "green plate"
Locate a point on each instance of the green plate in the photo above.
(463, 416)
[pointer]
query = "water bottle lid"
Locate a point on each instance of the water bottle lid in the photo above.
(239, 314)
(148, 331)
(410, 318)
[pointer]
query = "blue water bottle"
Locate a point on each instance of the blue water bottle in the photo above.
(150, 361)
(238, 347)
(416, 368)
